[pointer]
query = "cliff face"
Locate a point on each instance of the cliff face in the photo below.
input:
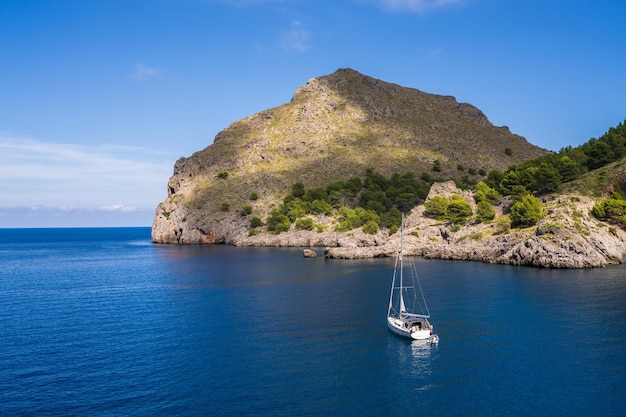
(334, 128)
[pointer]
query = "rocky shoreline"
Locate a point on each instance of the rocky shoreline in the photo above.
(535, 247)
(567, 237)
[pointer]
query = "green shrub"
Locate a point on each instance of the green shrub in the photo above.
(436, 207)
(320, 207)
(254, 196)
(371, 227)
(486, 193)
(222, 174)
(353, 218)
(376, 206)
(225, 207)
(278, 222)
(377, 197)
(391, 220)
(485, 211)
(297, 190)
(315, 194)
(458, 210)
(612, 211)
(246, 210)
(454, 209)
(305, 224)
(504, 223)
(256, 222)
(527, 211)
(295, 209)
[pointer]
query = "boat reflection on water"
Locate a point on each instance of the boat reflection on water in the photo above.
(421, 347)
(413, 361)
(419, 366)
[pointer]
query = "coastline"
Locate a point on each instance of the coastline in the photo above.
(568, 237)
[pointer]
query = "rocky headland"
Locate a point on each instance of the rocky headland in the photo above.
(336, 127)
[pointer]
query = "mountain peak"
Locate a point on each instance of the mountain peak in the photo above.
(335, 127)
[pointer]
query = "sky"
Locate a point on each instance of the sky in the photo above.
(98, 99)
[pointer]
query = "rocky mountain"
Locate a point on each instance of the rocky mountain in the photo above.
(335, 128)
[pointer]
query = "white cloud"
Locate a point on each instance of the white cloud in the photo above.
(417, 5)
(39, 216)
(120, 208)
(296, 38)
(67, 176)
(143, 72)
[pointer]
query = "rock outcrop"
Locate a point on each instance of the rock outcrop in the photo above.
(567, 237)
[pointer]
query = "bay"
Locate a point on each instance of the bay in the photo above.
(103, 322)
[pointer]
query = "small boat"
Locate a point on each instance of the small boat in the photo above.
(408, 313)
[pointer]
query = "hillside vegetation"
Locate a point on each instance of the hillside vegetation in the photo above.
(594, 168)
(335, 128)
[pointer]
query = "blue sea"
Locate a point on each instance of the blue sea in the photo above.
(101, 322)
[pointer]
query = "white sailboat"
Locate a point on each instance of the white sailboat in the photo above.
(408, 312)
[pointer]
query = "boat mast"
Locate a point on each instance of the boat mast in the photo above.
(402, 306)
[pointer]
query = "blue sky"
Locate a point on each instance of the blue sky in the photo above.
(99, 98)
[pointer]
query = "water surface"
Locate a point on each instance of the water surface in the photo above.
(103, 322)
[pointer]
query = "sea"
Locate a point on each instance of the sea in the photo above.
(102, 322)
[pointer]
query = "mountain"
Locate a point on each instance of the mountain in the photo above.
(335, 128)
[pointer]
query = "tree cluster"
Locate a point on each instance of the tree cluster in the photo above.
(545, 174)
(453, 209)
(526, 209)
(373, 202)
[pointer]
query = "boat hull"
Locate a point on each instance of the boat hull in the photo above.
(399, 327)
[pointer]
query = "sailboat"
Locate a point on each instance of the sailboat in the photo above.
(408, 313)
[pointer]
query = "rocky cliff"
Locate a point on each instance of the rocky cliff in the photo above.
(334, 128)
